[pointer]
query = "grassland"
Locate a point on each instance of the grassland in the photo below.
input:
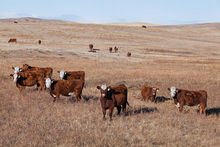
(185, 56)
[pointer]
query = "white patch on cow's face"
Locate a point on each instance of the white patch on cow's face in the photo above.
(62, 74)
(71, 93)
(17, 69)
(15, 77)
(172, 91)
(103, 86)
(178, 105)
(48, 82)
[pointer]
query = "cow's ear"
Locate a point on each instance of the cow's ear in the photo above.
(11, 75)
(98, 87)
(168, 89)
(58, 71)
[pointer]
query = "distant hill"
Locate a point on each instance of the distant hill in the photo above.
(135, 24)
(30, 19)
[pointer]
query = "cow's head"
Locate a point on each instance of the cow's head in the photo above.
(15, 76)
(155, 91)
(48, 82)
(62, 74)
(173, 91)
(16, 69)
(104, 90)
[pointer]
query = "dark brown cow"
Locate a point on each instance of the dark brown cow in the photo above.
(39, 41)
(47, 70)
(191, 98)
(65, 88)
(69, 75)
(116, 49)
(28, 78)
(110, 49)
(111, 97)
(12, 40)
(148, 93)
(15, 22)
(91, 47)
(129, 54)
(143, 26)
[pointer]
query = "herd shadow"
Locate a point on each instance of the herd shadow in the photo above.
(135, 111)
(213, 111)
(161, 99)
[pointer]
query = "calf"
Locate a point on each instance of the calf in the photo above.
(129, 54)
(12, 40)
(47, 70)
(191, 98)
(116, 49)
(69, 75)
(39, 41)
(65, 88)
(111, 97)
(28, 78)
(110, 49)
(148, 93)
(91, 47)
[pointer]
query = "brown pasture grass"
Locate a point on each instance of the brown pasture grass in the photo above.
(30, 118)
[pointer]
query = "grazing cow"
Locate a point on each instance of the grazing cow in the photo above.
(91, 47)
(69, 75)
(47, 70)
(65, 88)
(28, 78)
(116, 49)
(143, 26)
(111, 97)
(191, 98)
(12, 40)
(15, 22)
(39, 41)
(129, 54)
(148, 93)
(110, 49)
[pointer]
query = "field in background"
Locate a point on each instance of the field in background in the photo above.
(185, 56)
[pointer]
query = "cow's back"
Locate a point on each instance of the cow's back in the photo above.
(120, 94)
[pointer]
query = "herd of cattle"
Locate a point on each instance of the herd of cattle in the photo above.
(72, 83)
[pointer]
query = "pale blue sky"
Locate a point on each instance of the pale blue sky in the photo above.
(104, 11)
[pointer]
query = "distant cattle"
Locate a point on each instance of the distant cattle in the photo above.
(129, 54)
(65, 88)
(191, 98)
(69, 75)
(39, 41)
(116, 49)
(28, 78)
(48, 71)
(143, 26)
(15, 22)
(148, 93)
(110, 49)
(12, 40)
(91, 47)
(115, 96)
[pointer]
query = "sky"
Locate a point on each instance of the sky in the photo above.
(168, 12)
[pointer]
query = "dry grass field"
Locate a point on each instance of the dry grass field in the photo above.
(185, 56)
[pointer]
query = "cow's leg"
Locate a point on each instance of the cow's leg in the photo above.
(104, 113)
(202, 109)
(111, 112)
(119, 109)
(77, 95)
(124, 108)
(181, 107)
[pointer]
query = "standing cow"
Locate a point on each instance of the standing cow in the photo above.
(148, 93)
(191, 98)
(115, 96)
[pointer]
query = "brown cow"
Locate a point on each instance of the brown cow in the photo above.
(116, 49)
(12, 40)
(110, 49)
(47, 70)
(91, 47)
(129, 54)
(69, 75)
(39, 41)
(143, 26)
(28, 78)
(65, 88)
(111, 97)
(148, 93)
(191, 98)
